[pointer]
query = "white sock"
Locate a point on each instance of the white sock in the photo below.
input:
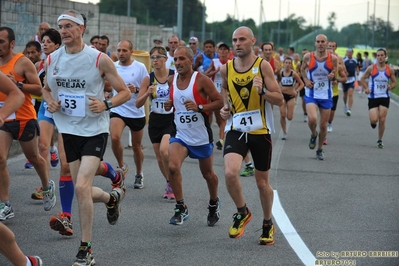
(53, 148)
(28, 263)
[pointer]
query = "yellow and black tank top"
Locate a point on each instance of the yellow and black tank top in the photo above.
(243, 97)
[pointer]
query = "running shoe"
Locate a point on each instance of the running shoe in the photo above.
(181, 215)
(114, 209)
(138, 181)
(348, 112)
(35, 260)
(38, 195)
(320, 154)
(380, 145)
(239, 223)
(62, 224)
(28, 165)
(168, 192)
(345, 109)
(214, 213)
(325, 142)
(84, 257)
(248, 171)
(121, 182)
(6, 212)
(49, 198)
(219, 144)
(312, 141)
(124, 168)
(284, 137)
(267, 237)
(54, 157)
(305, 118)
(329, 128)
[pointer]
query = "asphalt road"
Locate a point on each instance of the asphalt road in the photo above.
(346, 205)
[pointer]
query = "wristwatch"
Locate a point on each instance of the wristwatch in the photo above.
(20, 85)
(200, 108)
(108, 104)
(263, 91)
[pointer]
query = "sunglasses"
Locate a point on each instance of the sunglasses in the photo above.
(153, 57)
(173, 42)
(192, 43)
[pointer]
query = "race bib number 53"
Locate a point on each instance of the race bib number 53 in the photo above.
(73, 104)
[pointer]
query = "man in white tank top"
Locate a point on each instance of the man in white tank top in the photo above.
(189, 94)
(79, 112)
(132, 73)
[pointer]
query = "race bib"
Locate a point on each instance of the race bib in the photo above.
(157, 106)
(380, 86)
(46, 112)
(188, 119)
(73, 104)
(247, 121)
(11, 116)
(287, 81)
(320, 84)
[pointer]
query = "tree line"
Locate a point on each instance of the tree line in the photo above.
(284, 33)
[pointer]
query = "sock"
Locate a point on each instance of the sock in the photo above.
(180, 202)
(330, 123)
(85, 244)
(268, 222)
(53, 148)
(28, 262)
(213, 202)
(373, 125)
(243, 209)
(112, 200)
(305, 113)
(249, 164)
(7, 203)
(67, 192)
(109, 172)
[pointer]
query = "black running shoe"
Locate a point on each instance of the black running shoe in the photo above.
(214, 213)
(181, 215)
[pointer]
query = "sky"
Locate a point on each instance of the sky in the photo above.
(347, 12)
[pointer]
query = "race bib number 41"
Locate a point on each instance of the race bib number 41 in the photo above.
(247, 121)
(73, 104)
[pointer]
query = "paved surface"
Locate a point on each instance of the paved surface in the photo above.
(349, 202)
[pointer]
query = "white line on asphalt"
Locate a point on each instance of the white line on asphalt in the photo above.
(290, 233)
(281, 216)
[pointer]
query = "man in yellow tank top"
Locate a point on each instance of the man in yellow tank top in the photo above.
(248, 82)
(340, 76)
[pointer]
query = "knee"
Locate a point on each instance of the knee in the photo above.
(115, 138)
(82, 191)
(43, 147)
(173, 170)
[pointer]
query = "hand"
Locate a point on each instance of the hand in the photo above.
(309, 84)
(225, 112)
(331, 76)
(151, 89)
(168, 105)
(54, 106)
(11, 77)
(132, 88)
(96, 106)
(191, 106)
(367, 91)
(258, 83)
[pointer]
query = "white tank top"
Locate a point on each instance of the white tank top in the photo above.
(218, 78)
(170, 62)
(73, 78)
(190, 125)
(133, 74)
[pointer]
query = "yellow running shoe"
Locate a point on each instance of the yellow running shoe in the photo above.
(239, 223)
(267, 237)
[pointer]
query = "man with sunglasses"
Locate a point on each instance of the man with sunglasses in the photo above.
(193, 44)
(173, 43)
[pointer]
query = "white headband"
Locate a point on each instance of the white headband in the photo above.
(65, 16)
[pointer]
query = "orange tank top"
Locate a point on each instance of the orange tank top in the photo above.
(27, 110)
